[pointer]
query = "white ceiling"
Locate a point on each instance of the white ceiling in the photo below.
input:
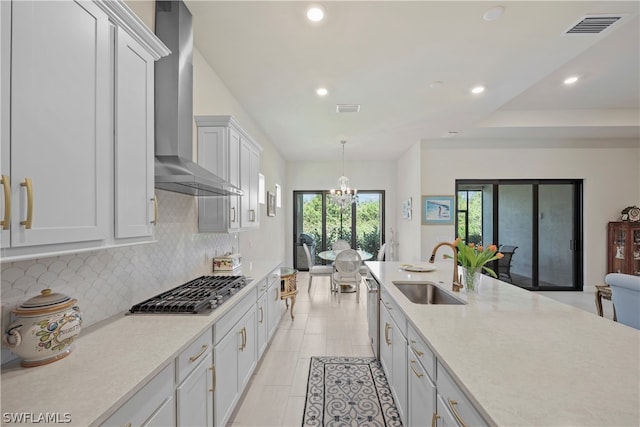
(383, 55)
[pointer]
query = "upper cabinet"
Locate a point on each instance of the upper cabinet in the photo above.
(225, 149)
(76, 120)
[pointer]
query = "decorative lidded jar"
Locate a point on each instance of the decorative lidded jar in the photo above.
(44, 328)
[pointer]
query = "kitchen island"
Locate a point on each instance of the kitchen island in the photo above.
(112, 361)
(523, 359)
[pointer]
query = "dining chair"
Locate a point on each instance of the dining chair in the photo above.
(364, 270)
(317, 270)
(625, 296)
(340, 245)
(347, 265)
(504, 263)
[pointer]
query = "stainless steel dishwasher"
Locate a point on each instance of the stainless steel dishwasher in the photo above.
(373, 313)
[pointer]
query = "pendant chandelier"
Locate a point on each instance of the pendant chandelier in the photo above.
(343, 196)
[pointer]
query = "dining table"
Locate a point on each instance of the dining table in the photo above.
(331, 255)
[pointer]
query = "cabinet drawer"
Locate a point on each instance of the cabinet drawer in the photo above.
(456, 401)
(424, 354)
(262, 287)
(192, 355)
(226, 322)
(394, 311)
(149, 400)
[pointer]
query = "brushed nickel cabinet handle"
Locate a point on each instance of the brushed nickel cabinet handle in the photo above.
(7, 202)
(452, 405)
(252, 215)
(28, 184)
(213, 376)
(418, 374)
(233, 217)
(261, 315)
(434, 419)
(197, 356)
(155, 210)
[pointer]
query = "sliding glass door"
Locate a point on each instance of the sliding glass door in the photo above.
(318, 222)
(537, 224)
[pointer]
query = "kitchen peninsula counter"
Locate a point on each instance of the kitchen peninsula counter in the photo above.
(109, 363)
(524, 359)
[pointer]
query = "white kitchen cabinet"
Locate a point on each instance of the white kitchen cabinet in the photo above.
(275, 307)
(249, 171)
(234, 356)
(228, 151)
(135, 202)
(421, 393)
(386, 338)
(194, 397)
(60, 123)
(152, 405)
(76, 121)
(453, 400)
(262, 314)
(393, 350)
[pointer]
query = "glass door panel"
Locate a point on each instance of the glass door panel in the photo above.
(338, 225)
(369, 222)
(556, 241)
(308, 228)
(515, 229)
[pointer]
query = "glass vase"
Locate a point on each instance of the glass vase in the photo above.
(471, 278)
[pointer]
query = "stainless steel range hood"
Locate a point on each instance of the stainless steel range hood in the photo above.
(174, 167)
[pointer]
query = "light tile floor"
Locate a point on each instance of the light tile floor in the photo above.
(275, 395)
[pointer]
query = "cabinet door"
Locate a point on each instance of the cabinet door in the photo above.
(399, 376)
(60, 122)
(422, 394)
(273, 300)
(386, 340)
(5, 135)
(194, 396)
(213, 154)
(249, 170)
(164, 416)
(225, 358)
(262, 330)
(247, 352)
(134, 139)
(234, 178)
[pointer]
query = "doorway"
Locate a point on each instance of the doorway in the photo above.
(318, 223)
(536, 223)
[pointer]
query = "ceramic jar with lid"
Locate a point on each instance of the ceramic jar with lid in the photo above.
(44, 328)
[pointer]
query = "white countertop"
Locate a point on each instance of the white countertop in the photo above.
(110, 363)
(525, 359)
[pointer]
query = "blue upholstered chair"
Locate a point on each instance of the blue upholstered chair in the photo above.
(625, 296)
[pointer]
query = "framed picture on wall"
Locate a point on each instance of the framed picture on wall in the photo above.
(406, 208)
(271, 203)
(438, 210)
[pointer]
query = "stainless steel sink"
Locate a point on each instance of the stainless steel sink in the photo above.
(426, 293)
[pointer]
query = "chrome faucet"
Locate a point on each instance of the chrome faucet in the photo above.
(455, 284)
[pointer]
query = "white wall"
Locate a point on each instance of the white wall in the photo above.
(408, 232)
(322, 175)
(609, 169)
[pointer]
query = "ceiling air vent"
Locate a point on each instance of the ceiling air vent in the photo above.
(347, 108)
(593, 24)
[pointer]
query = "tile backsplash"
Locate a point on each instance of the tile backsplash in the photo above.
(107, 282)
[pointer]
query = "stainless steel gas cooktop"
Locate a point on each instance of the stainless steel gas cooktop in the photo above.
(201, 295)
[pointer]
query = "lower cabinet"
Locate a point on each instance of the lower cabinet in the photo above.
(422, 394)
(393, 357)
(234, 355)
(194, 397)
(274, 306)
(262, 331)
(453, 403)
(152, 405)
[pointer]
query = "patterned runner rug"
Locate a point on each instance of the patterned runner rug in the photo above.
(348, 391)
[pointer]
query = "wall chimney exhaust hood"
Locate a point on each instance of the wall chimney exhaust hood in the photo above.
(174, 168)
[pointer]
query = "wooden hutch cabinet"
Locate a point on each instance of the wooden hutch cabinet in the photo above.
(623, 251)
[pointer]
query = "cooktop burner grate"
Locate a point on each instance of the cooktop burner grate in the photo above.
(200, 295)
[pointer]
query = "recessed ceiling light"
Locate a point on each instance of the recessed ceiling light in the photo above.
(571, 80)
(315, 13)
(477, 90)
(321, 91)
(493, 13)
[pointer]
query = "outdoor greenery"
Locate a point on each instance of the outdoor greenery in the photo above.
(339, 223)
(471, 207)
